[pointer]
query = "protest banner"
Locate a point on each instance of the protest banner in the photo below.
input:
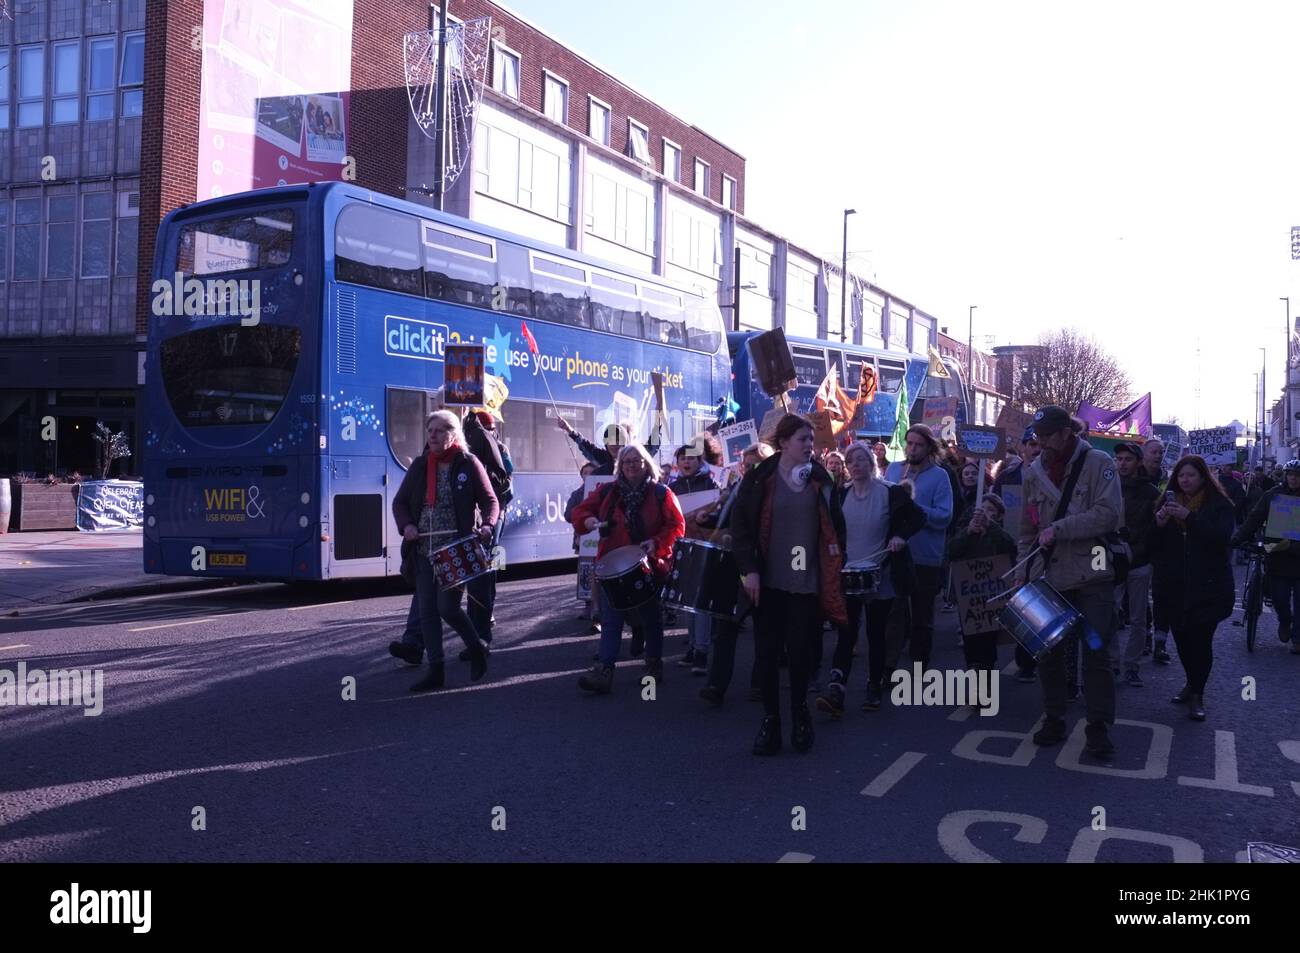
(110, 505)
(1283, 518)
(975, 581)
(1217, 445)
(770, 420)
(586, 577)
(823, 430)
(1014, 421)
(463, 385)
(735, 439)
(773, 365)
(983, 443)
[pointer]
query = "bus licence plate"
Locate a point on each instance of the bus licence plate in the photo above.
(227, 559)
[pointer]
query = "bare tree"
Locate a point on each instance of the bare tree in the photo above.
(1069, 368)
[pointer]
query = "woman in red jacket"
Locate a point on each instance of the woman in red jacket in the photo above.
(635, 510)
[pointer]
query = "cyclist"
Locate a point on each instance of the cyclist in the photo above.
(1282, 565)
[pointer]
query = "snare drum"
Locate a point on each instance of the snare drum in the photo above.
(625, 578)
(705, 579)
(860, 578)
(1039, 617)
(460, 561)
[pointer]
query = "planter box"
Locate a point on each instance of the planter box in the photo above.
(37, 506)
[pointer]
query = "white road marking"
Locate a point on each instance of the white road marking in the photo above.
(1087, 844)
(961, 713)
(171, 625)
(955, 843)
(1225, 770)
(795, 858)
(1157, 763)
(513, 680)
(6, 648)
(885, 781)
(969, 747)
(322, 605)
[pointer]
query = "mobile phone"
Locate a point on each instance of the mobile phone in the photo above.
(1169, 497)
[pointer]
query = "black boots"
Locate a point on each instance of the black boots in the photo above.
(410, 654)
(1183, 697)
(478, 661)
(769, 736)
(431, 681)
(801, 735)
(1196, 707)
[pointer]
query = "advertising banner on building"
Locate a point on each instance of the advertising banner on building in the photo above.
(274, 108)
(109, 504)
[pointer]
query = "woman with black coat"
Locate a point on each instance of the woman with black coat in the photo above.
(1193, 579)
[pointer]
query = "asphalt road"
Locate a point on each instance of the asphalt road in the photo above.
(232, 701)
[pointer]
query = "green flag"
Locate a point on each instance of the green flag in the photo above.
(899, 440)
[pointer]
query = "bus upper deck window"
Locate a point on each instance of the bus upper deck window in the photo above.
(378, 247)
(236, 243)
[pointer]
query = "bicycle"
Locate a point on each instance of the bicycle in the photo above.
(1252, 595)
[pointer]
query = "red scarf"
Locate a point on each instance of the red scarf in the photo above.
(1056, 468)
(432, 461)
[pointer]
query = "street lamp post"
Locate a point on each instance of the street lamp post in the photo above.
(844, 273)
(1263, 391)
(970, 351)
(1286, 376)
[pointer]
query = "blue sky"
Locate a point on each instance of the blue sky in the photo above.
(1129, 169)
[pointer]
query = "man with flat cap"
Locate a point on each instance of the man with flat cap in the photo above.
(1072, 502)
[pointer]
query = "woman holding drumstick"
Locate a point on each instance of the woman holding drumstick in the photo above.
(445, 494)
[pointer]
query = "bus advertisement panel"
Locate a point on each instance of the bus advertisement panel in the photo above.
(277, 436)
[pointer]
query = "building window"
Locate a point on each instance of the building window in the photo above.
(60, 236)
(505, 71)
(96, 233)
(67, 82)
(555, 98)
(728, 192)
(638, 142)
(31, 87)
(522, 173)
(701, 178)
(598, 124)
(99, 84)
(619, 213)
(128, 233)
(133, 75)
(27, 239)
(672, 161)
(4, 89)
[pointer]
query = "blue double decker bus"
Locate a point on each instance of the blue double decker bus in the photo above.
(297, 344)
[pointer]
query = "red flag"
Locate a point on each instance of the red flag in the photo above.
(528, 336)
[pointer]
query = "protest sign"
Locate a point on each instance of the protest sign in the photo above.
(109, 505)
(940, 415)
(983, 443)
(735, 439)
(773, 365)
(975, 581)
(1217, 445)
(1283, 518)
(495, 394)
(586, 571)
(770, 420)
(823, 431)
(1013, 498)
(464, 369)
(1014, 421)
(588, 543)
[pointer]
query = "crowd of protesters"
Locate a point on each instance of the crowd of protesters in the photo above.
(1047, 506)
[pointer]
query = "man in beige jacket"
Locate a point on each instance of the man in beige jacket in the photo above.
(1078, 565)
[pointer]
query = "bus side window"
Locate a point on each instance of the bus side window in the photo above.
(665, 320)
(404, 423)
(614, 306)
(378, 247)
(560, 293)
(513, 275)
(703, 326)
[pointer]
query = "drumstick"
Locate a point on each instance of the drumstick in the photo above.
(1035, 552)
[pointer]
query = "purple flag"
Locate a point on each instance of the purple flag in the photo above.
(1134, 419)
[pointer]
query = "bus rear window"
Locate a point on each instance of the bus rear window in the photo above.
(237, 243)
(229, 376)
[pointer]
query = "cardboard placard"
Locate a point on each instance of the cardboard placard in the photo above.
(1283, 518)
(1013, 498)
(770, 420)
(464, 375)
(983, 443)
(735, 439)
(940, 415)
(1014, 421)
(495, 394)
(975, 581)
(588, 543)
(823, 431)
(1217, 445)
(704, 499)
(772, 361)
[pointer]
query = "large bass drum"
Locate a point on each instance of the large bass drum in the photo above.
(705, 579)
(625, 578)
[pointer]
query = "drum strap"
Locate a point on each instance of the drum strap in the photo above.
(1068, 491)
